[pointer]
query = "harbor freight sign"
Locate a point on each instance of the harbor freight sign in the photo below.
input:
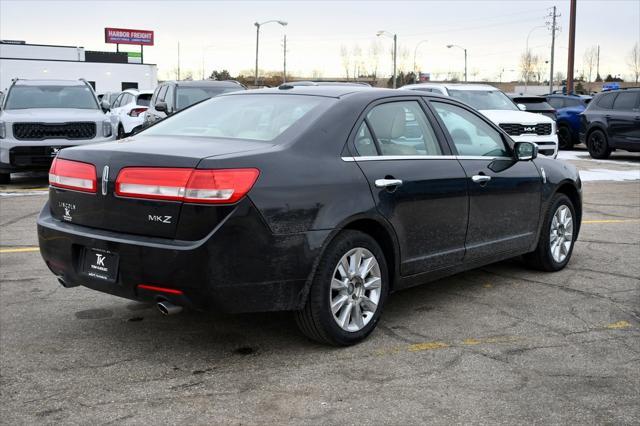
(125, 36)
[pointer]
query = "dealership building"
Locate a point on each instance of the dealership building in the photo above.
(105, 71)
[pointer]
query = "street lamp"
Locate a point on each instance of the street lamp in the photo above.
(258, 25)
(395, 51)
(449, 46)
(415, 52)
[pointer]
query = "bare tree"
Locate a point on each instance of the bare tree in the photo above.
(346, 59)
(634, 61)
(356, 53)
(528, 64)
(374, 57)
(590, 59)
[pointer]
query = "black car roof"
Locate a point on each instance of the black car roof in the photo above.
(201, 83)
(338, 91)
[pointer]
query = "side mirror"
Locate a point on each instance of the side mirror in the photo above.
(106, 107)
(525, 151)
(522, 107)
(161, 106)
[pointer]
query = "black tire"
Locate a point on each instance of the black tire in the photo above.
(598, 144)
(316, 320)
(565, 137)
(121, 133)
(541, 258)
(5, 178)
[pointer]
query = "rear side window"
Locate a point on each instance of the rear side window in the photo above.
(625, 101)
(402, 128)
(606, 100)
(364, 141)
(471, 135)
(557, 103)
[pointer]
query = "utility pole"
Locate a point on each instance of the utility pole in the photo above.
(598, 63)
(572, 46)
(284, 76)
(554, 27)
(178, 60)
(395, 56)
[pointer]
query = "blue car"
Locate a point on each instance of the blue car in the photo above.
(568, 109)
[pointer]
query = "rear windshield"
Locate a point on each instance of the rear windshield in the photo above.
(254, 117)
(189, 95)
(24, 97)
(144, 99)
(484, 99)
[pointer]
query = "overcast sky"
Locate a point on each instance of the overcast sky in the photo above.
(494, 32)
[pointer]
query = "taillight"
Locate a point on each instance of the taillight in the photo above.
(137, 111)
(73, 175)
(189, 185)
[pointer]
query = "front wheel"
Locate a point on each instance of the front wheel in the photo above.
(348, 291)
(555, 244)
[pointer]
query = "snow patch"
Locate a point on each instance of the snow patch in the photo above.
(609, 175)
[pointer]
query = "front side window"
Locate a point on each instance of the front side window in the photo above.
(402, 128)
(471, 134)
(24, 97)
(252, 117)
(484, 99)
(625, 101)
(162, 93)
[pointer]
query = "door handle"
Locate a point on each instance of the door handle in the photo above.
(386, 183)
(480, 178)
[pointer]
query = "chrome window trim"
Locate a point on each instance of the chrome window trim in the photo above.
(421, 157)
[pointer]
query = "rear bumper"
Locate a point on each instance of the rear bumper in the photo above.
(239, 267)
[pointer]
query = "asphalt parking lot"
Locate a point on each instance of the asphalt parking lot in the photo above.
(497, 345)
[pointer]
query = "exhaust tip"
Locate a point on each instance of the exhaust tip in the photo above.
(168, 308)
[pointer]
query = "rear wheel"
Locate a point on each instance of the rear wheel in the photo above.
(565, 138)
(598, 144)
(348, 291)
(557, 236)
(5, 178)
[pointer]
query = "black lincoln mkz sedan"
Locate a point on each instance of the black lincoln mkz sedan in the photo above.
(318, 200)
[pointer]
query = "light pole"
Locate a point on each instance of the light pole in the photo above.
(395, 51)
(258, 25)
(415, 52)
(449, 46)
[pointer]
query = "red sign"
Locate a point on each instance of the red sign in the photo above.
(125, 36)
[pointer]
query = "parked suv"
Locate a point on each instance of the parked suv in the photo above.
(612, 121)
(129, 109)
(173, 96)
(568, 109)
(40, 117)
(496, 106)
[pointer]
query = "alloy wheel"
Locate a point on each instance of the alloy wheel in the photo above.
(561, 234)
(355, 291)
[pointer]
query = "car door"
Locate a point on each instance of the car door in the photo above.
(624, 120)
(417, 184)
(504, 194)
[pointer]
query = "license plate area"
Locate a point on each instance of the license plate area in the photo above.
(100, 264)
